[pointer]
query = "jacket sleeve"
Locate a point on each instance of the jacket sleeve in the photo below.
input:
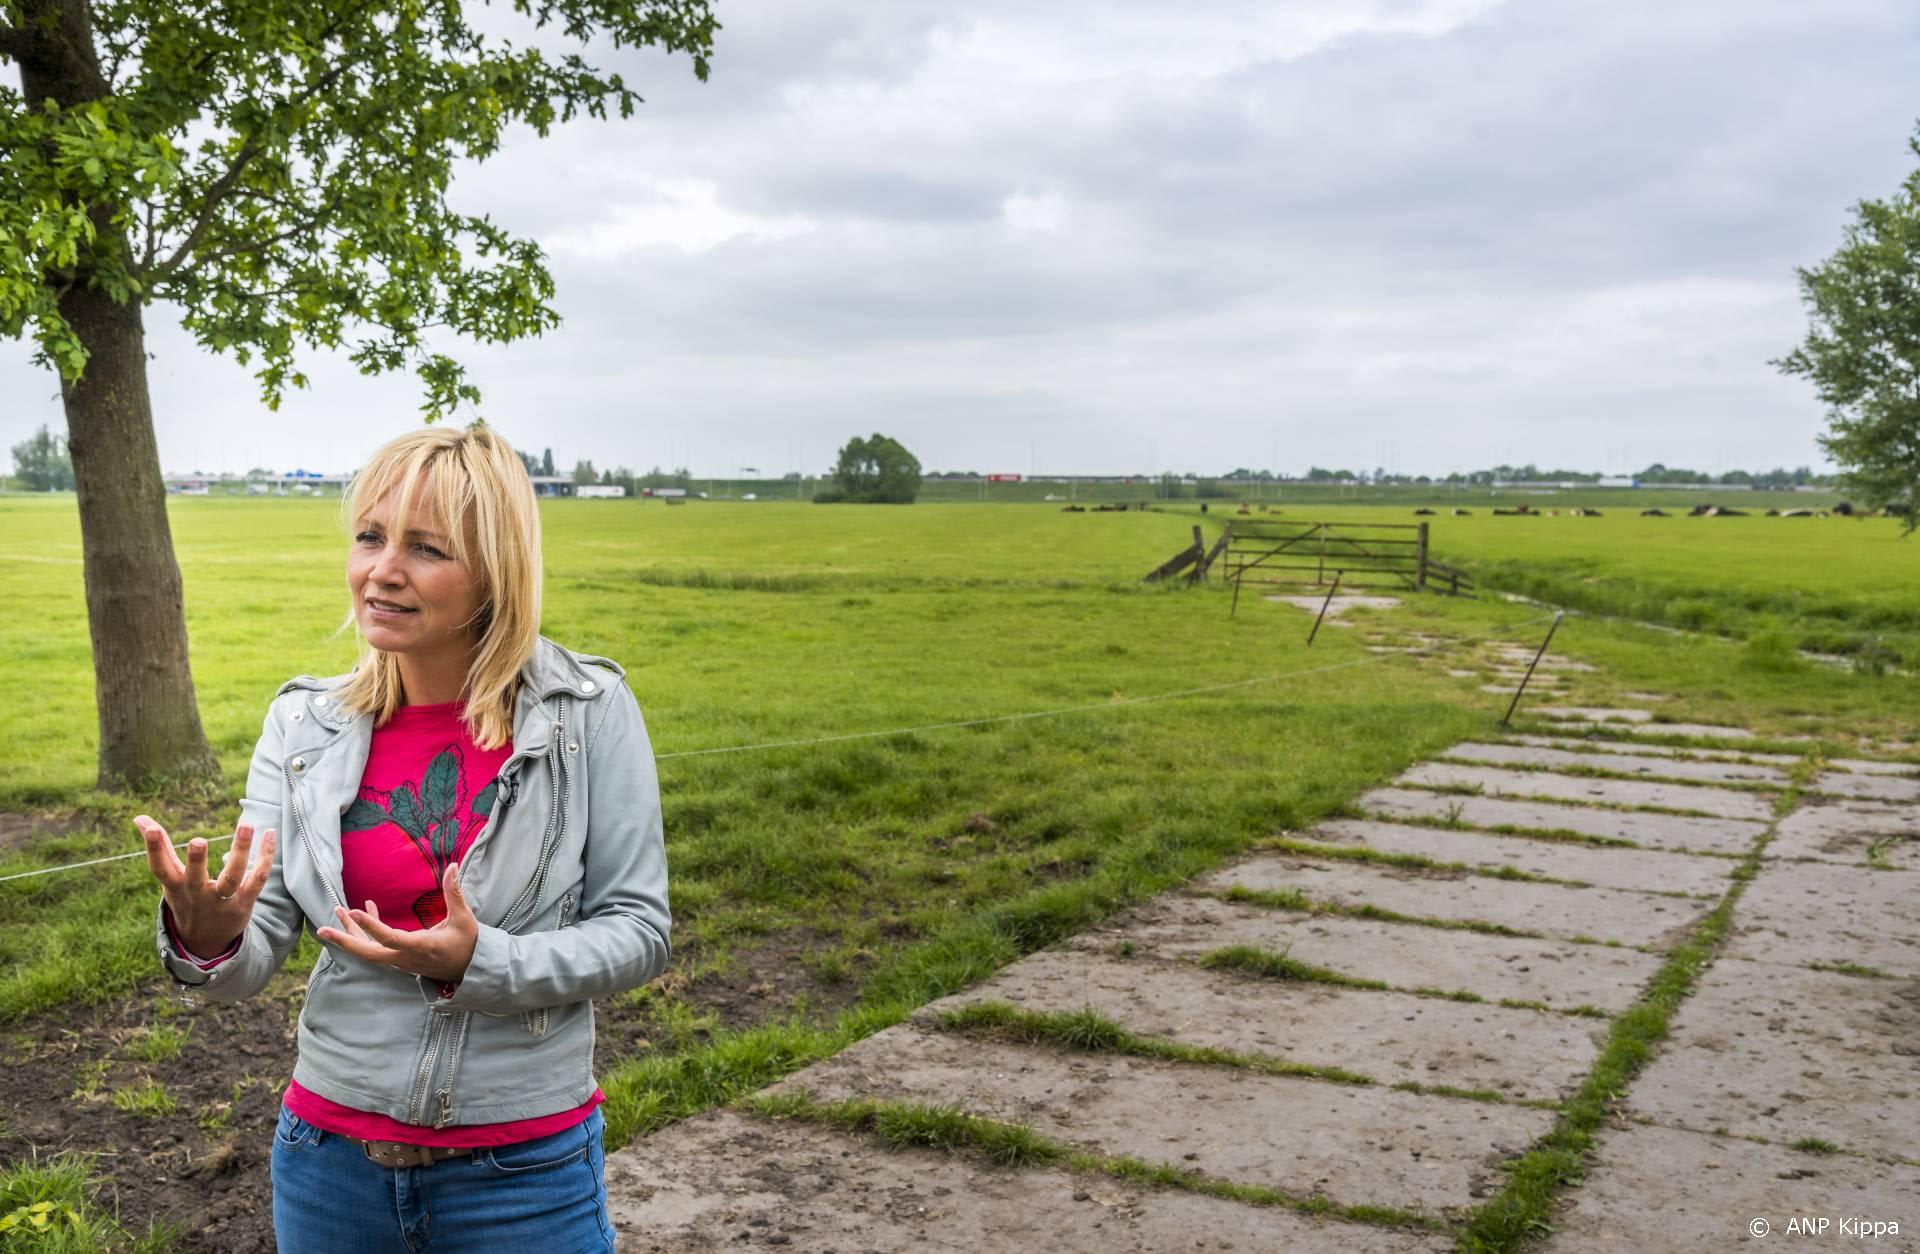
(621, 940)
(274, 928)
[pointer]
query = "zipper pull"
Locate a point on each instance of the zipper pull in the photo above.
(446, 1109)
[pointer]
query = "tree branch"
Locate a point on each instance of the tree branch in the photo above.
(218, 191)
(15, 43)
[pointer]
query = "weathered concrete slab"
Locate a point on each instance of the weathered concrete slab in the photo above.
(1696, 731)
(1352, 1144)
(1340, 605)
(1555, 972)
(1656, 831)
(1592, 713)
(1545, 909)
(1856, 832)
(1627, 764)
(1393, 1038)
(728, 1181)
(1521, 656)
(1639, 870)
(1891, 789)
(1665, 1189)
(1868, 766)
(1494, 782)
(1802, 912)
(1786, 1053)
(1636, 748)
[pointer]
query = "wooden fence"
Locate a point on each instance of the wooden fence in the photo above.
(1365, 554)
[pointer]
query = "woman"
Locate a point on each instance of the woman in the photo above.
(469, 822)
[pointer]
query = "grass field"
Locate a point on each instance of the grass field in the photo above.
(1845, 586)
(822, 892)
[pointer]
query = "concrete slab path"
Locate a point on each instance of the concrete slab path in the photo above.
(1655, 831)
(1552, 972)
(726, 1181)
(1646, 870)
(1780, 1089)
(1599, 914)
(1592, 790)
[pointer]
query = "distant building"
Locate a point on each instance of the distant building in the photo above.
(597, 491)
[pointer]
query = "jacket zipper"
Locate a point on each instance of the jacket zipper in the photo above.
(549, 840)
(538, 1020)
(445, 1116)
(565, 778)
(529, 897)
(300, 829)
(416, 1101)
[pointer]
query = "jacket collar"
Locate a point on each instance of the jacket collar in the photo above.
(552, 671)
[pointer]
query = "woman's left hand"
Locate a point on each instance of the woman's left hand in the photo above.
(441, 952)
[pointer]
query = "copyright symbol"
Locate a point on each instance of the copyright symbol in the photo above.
(1759, 1227)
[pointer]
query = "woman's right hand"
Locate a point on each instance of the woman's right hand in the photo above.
(208, 913)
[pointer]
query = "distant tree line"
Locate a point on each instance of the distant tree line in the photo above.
(1780, 477)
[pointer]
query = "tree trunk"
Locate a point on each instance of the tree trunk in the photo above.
(150, 730)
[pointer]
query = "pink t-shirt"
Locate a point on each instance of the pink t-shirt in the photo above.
(425, 795)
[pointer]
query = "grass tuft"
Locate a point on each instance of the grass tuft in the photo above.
(1523, 1209)
(902, 1125)
(1089, 1031)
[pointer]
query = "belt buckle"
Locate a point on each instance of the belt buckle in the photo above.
(397, 1154)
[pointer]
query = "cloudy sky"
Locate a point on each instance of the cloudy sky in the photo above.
(1122, 236)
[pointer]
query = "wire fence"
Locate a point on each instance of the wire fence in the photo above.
(952, 724)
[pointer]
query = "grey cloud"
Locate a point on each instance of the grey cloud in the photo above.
(1550, 231)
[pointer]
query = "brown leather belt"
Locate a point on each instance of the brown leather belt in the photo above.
(397, 1154)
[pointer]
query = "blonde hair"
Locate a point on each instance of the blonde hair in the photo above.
(493, 526)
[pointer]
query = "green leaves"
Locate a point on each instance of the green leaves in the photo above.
(482, 805)
(442, 784)
(312, 212)
(877, 470)
(407, 811)
(362, 816)
(1862, 352)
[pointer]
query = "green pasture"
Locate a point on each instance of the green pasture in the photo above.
(740, 626)
(876, 874)
(1848, 586)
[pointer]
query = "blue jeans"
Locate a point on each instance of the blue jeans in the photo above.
(547, 1195)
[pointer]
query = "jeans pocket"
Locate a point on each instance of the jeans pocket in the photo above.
(540, 1154)
(291, 1132)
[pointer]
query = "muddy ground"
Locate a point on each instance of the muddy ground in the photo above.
(83, 1080)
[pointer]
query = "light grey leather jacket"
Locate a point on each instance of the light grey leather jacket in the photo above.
(568, 881)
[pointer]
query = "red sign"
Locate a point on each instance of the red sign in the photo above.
(1003, 478)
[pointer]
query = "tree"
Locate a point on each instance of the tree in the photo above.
(1862, 352)
(546, 462)
(584, 473)
(42, 464)
(877, 470)
(279, 173)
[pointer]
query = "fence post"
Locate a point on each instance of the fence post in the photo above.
(1323, 607)
(1420, 562)
(1515, 703)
